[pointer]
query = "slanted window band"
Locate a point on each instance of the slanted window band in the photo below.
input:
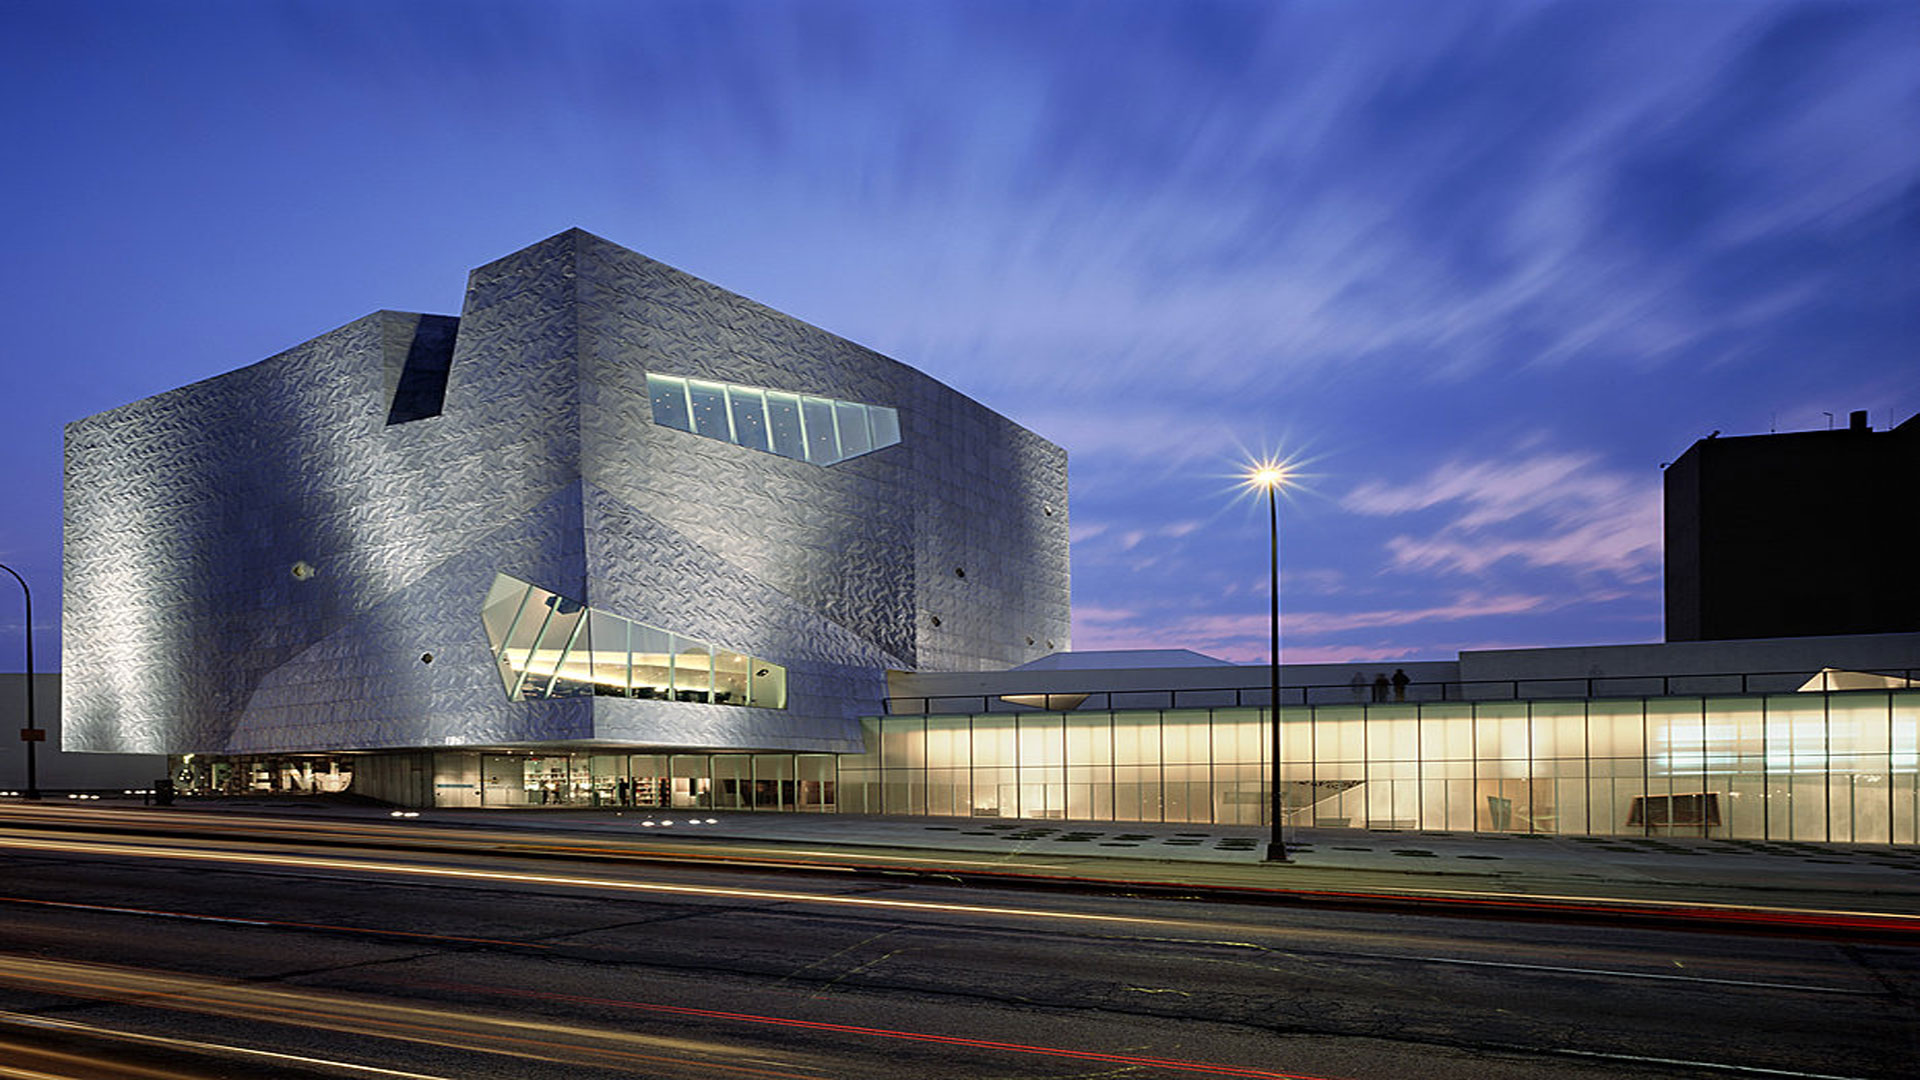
(822, 431)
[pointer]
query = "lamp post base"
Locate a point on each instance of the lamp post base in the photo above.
(1277, 852)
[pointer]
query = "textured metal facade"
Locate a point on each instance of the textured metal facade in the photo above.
(188, 629)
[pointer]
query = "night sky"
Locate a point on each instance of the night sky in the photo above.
(1479, 267)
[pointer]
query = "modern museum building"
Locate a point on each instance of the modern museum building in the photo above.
(615, 536)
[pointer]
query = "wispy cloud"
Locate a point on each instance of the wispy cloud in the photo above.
(1346, 654)
(1561, 510)
(1086, 530)
(1467, 606)
(1130, 539)
(1244, 635)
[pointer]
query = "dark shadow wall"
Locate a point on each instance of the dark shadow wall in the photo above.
(1792, 535)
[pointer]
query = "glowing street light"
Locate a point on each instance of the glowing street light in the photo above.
(1271, 476)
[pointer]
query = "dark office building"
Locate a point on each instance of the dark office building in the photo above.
(1804, 533)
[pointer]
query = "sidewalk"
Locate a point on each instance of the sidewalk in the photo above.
(1750, 874)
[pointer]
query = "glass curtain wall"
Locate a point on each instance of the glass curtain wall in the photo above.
(1828, 766)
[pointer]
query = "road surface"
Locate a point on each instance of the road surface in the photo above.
(127, 952)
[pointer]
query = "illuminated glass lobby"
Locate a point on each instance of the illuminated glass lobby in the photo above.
(1838, 766)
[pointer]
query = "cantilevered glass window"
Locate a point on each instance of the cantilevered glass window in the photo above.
(820, 430)
(546, 645)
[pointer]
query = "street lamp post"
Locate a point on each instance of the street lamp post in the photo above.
(29, 734)
(1271, 476)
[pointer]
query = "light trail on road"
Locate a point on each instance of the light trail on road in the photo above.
(358, 1015)
(1703, 913)
(127, 1072)
(889, 1033)
(542, 1041)
(281, 924)
(809, 977)
(1658, 976)
(368, 866)
(784, 896)
(477, 839)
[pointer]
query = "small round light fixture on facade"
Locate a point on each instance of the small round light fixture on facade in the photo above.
(302, 571)
(936, 620)
(426, 658)
(1047, 510)
(1029, 639)
(959, 571)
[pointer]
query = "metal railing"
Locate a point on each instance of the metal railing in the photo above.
(1595, 686)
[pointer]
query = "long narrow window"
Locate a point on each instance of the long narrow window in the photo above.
(823, 431)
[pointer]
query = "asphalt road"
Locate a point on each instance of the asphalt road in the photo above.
(124, 953)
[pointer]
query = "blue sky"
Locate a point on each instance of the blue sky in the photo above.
(1482, 266)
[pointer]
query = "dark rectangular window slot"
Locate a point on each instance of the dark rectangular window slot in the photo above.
(1695, 810)
(422, 389)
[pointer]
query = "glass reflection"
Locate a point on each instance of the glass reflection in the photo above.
(886, 425)
(730, 677)
(669, 397)
(783, 418)
(710, 410)
(749, 417)
(652, 658)
(816, 419)
(610, 656)
(692, 670)
(556, 646)
(851, 419)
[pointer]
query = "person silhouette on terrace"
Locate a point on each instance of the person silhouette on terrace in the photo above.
(1400, 681)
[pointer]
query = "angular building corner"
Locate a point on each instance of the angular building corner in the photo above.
(608, 505)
